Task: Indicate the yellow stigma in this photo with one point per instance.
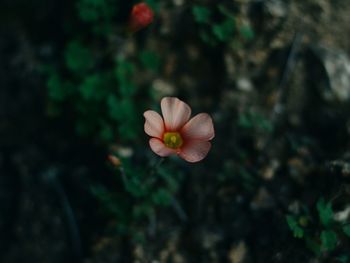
(172, 140)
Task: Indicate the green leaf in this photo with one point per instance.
(55, 88)
(92, 87)
(154, 4)
(329, 240)
(244, 121)
(161, 197)
(254, 120)
(201, 14)
(150, 60)
(298, 232)
(103, 29)
(325, 212)
(136, 187)
(125, 69)
(128, 126)
(224, 31)
(247, 32)
(114, 108)
(261, 122)
(312, 245)
(124, 74)
(225, 11)
(78, 58)
(94, 10)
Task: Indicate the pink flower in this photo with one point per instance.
(140, 17)
(177, 133)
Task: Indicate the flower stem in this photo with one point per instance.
(156, 166)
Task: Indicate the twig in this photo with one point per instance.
(156, 166)
(152, 227)
(278, 109)
(178, 209)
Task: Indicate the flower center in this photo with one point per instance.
(172, 140)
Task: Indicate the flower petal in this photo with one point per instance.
(200, 127)
(159, 148)
(195, 151)
(175, 113)
(154, 125)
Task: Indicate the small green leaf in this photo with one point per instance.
(225, 11)
(244, 121)
(329, 240)
(247, 32)
(224, 31)
(125, 69)
(55, 88)
(91, 88)
(136, 187)
(312, 245)
(154, 4)
(124, 73)
(207, 38)
(94, 10)
(78, 58)
(298, 232)
(325, 212)
(161, 197)
(113, 107)
(201, 14)
(150, 60)
(128, 122)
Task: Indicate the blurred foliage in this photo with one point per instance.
(96, 79)
(322, 234)
(146, 190)
(95, 83)
(223, 29)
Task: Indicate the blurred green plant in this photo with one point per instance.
(295, 226)
(94, 85)
(146, 190)
(96, 81)
(98, 14)
(322, 234)
(225, 28)
(254, 121)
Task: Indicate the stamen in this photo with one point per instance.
(172, 140)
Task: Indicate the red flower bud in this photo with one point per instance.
(141, 16)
